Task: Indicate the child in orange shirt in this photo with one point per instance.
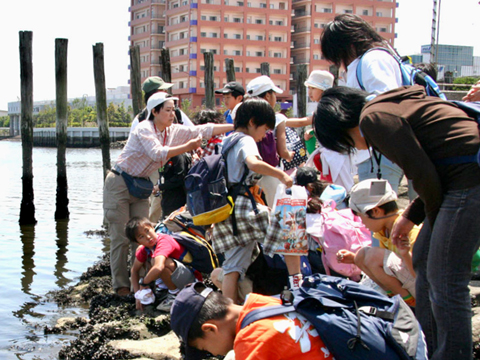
(207, 321)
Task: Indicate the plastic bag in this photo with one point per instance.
(289, 213)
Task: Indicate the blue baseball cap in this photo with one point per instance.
(185, 309)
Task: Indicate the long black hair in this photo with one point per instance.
(337, 112)
(347, 37)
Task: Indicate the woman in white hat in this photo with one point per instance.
(148, 148)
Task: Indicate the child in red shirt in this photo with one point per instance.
(160, 255)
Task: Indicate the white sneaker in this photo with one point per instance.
(166, 304)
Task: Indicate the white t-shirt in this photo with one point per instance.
(380, 72)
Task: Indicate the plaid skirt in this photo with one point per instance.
(251, 226)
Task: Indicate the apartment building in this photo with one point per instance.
(283, 33)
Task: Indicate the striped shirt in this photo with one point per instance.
(147, 148)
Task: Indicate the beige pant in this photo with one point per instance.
(118, 207)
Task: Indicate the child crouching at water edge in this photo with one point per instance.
(157, 257)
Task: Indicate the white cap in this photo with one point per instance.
(320, 79)
(369, 194)
(260, 85)
(157, 99)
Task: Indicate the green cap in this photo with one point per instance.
(155, 83)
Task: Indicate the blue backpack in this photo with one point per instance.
(472, 109)
(210, 199)
(410, 75)
(353, 321)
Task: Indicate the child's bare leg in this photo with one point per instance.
(230, 286)
(293, 264)
(370, 260)
(166, 274)
(214, 277)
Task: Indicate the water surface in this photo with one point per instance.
(49, 255)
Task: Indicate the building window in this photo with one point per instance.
(277, 71)
(203, 34)
(259, 37)
(237, 69)
(280, 23)
(316, 56)
(204, 17)
(365, 12)
(316, 41)
(263, 6)
(277, 38)
(238, 36)
(380, 14)
(258, 21)
(326, 10)
(347, 11)
(237, 20)
(316, 25)
(258, 70)
(213, 35)
(225, 52)
(225, 36)
(239, 3)
(272, 6)
(382, 30)
(277, 55)
(258, 53)
(203, 51)
(237, 52)
(181, 85)
(213, 18)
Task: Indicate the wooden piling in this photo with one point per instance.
(301, 90)
(209, 82)
(61, 46)
(101, 99)
(265, 68)
(27, 207)
(166, 67)
(229, 70)
(136, 79)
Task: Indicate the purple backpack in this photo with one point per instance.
(268, 149)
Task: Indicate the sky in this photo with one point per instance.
(87, 22)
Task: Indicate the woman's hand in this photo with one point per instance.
(345, 257)
(195, 143)
(400, 231)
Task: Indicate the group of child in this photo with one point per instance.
(158, 256)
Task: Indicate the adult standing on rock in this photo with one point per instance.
(127, 185)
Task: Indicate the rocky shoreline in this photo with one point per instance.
(115, 330)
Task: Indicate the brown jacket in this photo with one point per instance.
(412, 129)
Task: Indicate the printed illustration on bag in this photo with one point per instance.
(291, 216)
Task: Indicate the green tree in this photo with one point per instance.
(4, 121)
(46, 118)
(470, 80)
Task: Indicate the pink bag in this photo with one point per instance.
(342, 230)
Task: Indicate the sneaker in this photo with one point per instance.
(166, 304)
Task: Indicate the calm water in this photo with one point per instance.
(50, 255)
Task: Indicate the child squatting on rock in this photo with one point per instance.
(207, 321)
(389, 266)
(158, 258)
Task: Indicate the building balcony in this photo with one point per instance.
(298, 14)
(298, 30)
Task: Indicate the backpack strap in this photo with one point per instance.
(241, 186)
(405, 80)
(265, 312)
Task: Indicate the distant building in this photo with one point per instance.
(117, 96)
(283, 33)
